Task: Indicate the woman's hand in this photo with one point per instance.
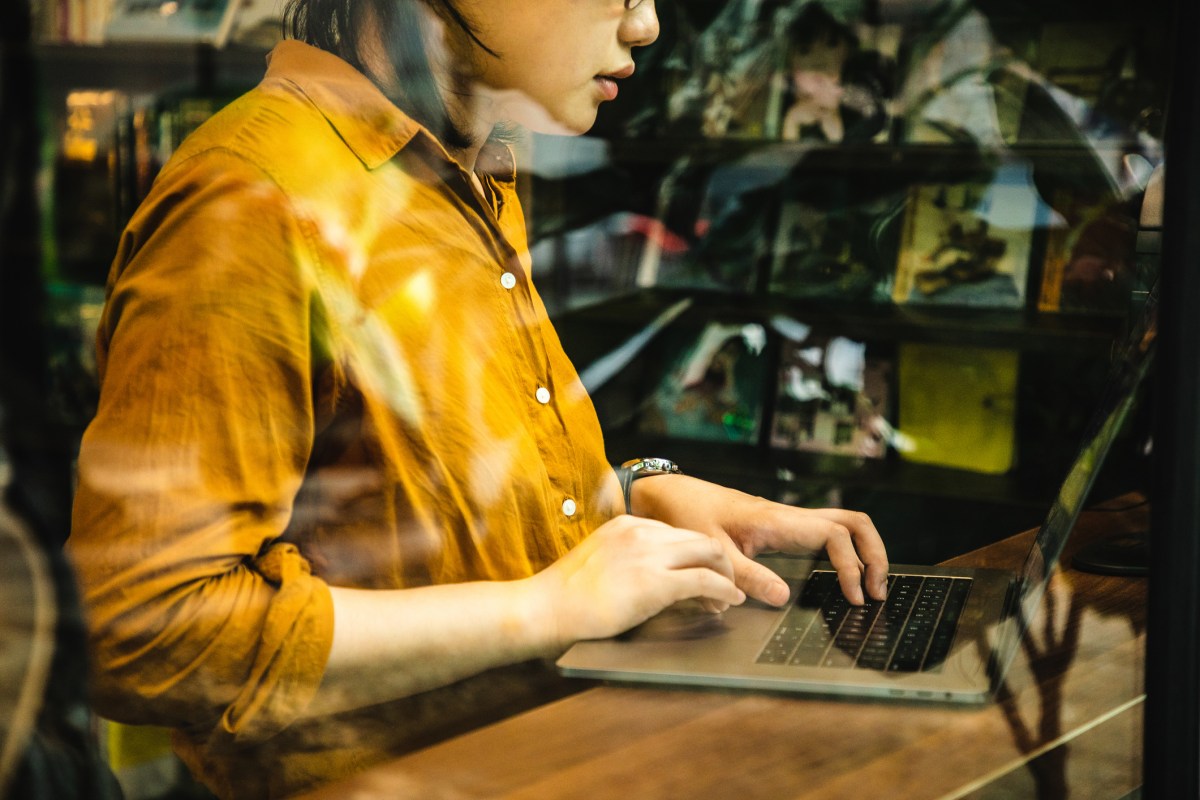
(627, 571)
(749, 525)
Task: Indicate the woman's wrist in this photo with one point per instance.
(536, 617)
(646, 496)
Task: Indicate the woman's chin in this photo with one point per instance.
(515, 107)
(561, 125)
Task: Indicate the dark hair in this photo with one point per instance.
(816, 25)
(335, 25)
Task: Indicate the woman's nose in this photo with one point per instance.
(639, 27)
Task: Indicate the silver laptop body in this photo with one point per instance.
(687, 646)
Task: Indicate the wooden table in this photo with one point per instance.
(1068, 718)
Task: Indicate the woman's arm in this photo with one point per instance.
(199, 614)
(389, 644)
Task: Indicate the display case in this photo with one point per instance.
(869, 254)
(860, 253)
(864, 254)
(909, 228)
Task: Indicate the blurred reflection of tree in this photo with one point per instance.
(1050, 647)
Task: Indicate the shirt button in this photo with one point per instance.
(569, 507)
(542, 395)
(508, 280)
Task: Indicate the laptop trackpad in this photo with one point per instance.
(683, 621)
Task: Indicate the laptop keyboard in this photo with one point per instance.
(910, 631)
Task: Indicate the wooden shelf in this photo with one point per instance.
(772, 470)
(869, 170)
(146, 67)
(595, 329)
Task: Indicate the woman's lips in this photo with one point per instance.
(608, 81)
(608, 86)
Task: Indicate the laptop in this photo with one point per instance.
(943, 634)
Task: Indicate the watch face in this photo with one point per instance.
(653, 466)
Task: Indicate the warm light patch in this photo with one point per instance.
(88, 115)
(491, 468)
(375, 355)
(421, 291)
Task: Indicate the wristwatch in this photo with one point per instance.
(636, 468)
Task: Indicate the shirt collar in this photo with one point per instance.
(370, 124)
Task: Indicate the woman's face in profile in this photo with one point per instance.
(558, 60)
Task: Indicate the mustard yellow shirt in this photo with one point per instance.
(322, 362)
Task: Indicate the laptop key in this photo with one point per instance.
(808, 655)
(943, 637)
(912, 630)
(837, 657)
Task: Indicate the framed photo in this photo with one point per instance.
(834, 397)
(969, 244)
(844, 252)
(713, 387)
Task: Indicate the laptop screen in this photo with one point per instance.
(1126, 373)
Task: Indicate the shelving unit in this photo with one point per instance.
(1062, 356)
(82, 204)
(1021, 329)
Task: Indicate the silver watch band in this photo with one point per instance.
(641, 468)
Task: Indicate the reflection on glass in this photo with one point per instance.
(909, 171)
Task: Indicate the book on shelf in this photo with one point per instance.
(1094, 95)
(724, 75)
(70, 21)
(969, 244)
(85, 199)
(1089, 264)
(711, 226)
(948, 88)
(712, 389)
(1081, 58)
(111, 147)
(957, 406)
(191, 21)
(834, 396)
(840, 251)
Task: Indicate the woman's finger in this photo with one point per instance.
(839, 548)
(698, 582)
(758, 581)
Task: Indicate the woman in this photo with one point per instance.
(340, 458)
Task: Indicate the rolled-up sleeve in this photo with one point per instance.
(202, 615)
